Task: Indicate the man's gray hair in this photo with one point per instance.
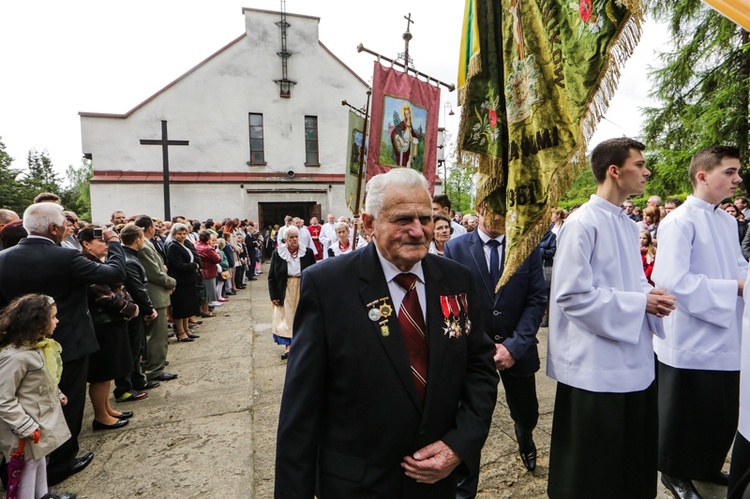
(39, 216)
(178, 227)
(291, 230)
(379, 185)
(7, 216)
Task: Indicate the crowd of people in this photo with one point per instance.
(421, 337)
(95, 306)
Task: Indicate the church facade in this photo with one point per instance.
(263, 140)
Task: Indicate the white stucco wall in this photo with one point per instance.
(202, 201)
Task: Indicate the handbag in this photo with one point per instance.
(225, 275)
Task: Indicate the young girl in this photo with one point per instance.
(648, 255)
(30, 368)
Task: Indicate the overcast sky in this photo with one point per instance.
(59, 58)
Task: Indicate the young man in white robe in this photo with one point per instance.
(603, 313)
(304, 235)
(739, 471)
(328, 233)
(699, 260)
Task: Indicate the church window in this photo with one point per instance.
(256, 139)
(311, 141)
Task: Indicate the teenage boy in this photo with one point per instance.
(698, 361)
(602, 315)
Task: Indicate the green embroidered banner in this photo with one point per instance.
(535, 92)
(355, 138)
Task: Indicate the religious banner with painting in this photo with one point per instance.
(356, 137)
(534, 94)
(403, 124)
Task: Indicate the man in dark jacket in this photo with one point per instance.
(39, 265)
(135, 283)
(511, 318)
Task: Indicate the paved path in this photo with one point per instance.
(211, 433)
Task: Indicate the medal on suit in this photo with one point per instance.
(384, 330)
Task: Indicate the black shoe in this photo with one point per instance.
(284, 355)
(166, 363)
(125, 415)
(165, 376)
(150, 384)
(170, 335)
(186, 338)
(681, 489)
(526, 448)
(101, 426)
(252, 278)
(59, 495)
(193, 336)
(78, 464)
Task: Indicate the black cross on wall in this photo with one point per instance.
(164, 142)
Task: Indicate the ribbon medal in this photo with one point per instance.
(453, 308)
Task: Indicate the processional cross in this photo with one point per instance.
(164, 142)
(407, 37)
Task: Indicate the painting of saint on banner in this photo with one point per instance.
(356, 140)
(402, 139)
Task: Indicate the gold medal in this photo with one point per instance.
(385, 310)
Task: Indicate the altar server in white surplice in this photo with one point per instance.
(699, 260)
(739, 471)
(602, 315)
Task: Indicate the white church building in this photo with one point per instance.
(266, 133)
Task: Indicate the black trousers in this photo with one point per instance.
(603, 444)
(739, 472)
(136, 380)
(520, 395)
(73, 385)
(698, 415)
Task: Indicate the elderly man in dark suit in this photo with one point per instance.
(39, 265)
(511, 317)
(390, 386)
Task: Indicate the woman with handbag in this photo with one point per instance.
(287, 263)
(111, 307)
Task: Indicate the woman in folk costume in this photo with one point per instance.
(343, 243)
(287, 263)
(30, 368)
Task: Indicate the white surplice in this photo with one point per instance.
(699, 261)
(327, 236)
(599, 331)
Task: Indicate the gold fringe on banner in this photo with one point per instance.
(620, 48)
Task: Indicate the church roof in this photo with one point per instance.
(207, 59)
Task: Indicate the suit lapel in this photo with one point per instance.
(373, 289)
(437, 339)
(477, 252)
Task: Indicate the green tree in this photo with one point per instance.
(12, 195)
(460, 187)
(76, 195)
(703, 89)
(41, 175)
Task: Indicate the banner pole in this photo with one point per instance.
(361, 165)
(450, 86)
